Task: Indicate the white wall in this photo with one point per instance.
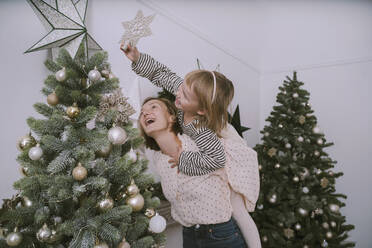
(256, 43)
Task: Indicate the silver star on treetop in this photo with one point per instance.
(137, 28)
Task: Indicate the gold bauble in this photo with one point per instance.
(136, 202)
(73, 111)
(104, 151)
(150, 212)
(25, 142)
(79, 172)
(101, 245)
(132, 189)
(105, 204)
(52, 99)
(271, 152)
(105, 73)
(24, 171)
(124, 244)
(302, 119)
(324, 182)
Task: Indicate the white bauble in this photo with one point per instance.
(300, 139)
(319, 141)
(277, 166)
(260, 206)
(132, 155)
(334, 208)
(333, 224)
(280, 125)
(117, 135)
(61, 75)
(305, 190)
(157, 224)
(288, 146)
(316, 129)
(295, 95)
(266, 134)
(35, 153)
(94, 75)
(302, 212)
(298, 227)
(316, 153)
(329, 235)
(324, 243)
(296, 179)
(325, 225)
(14, 238)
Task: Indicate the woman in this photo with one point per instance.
(203, 204)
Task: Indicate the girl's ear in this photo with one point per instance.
(200, 112)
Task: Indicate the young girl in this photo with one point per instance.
(204, 205)
(202, 99)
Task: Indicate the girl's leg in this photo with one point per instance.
(245, 221)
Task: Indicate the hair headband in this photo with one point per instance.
(214, 86)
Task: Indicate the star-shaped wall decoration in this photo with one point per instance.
(137, 28)
(65, 22)
(235, 122)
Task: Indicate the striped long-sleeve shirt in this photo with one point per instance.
(211, 155)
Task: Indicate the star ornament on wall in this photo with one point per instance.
(136, 28)
(65, 22)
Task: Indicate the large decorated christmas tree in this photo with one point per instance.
(298, 205)
(84, 182)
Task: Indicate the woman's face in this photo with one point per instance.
(154, 117)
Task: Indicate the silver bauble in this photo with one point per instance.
(300, 139)
(132, 155)
(105, 204)
(329, 235)
(325, 225)
(266, 134)
(280, 126)
(318, 171)
(136, 202)
(319, 141)
(288, 146)
(316, 153)
(101, 245)
(296, 179)
(334, 208)
(330, 173)
(44, 233)
(316, 129)
(305, 190)
(277, 166)
(157, 224)
(117, 135)
(105, 73)
(260, 206)
(304, 174)
(94, 75)
(61, 75)
(26, 202)
(57, 220)
(264, 239)
(259, 167)
(132, 189)
(295, 95)
(324, 243)
(14, 238)
(35, 153)
(333, 224)
(302, 212)
(298, 227)
(272, 198)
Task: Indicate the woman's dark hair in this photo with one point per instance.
(172, 110)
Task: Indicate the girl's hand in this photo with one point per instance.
(131, 52)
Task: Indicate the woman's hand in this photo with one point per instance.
(175, 158)
(131, 52)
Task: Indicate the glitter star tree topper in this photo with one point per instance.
(136, 29)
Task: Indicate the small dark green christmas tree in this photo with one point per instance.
(84, 183)
(298, 205)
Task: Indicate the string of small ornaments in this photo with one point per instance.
(324, 182)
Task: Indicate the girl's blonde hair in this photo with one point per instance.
(215, 109)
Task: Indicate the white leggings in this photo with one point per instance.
(244, 221)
